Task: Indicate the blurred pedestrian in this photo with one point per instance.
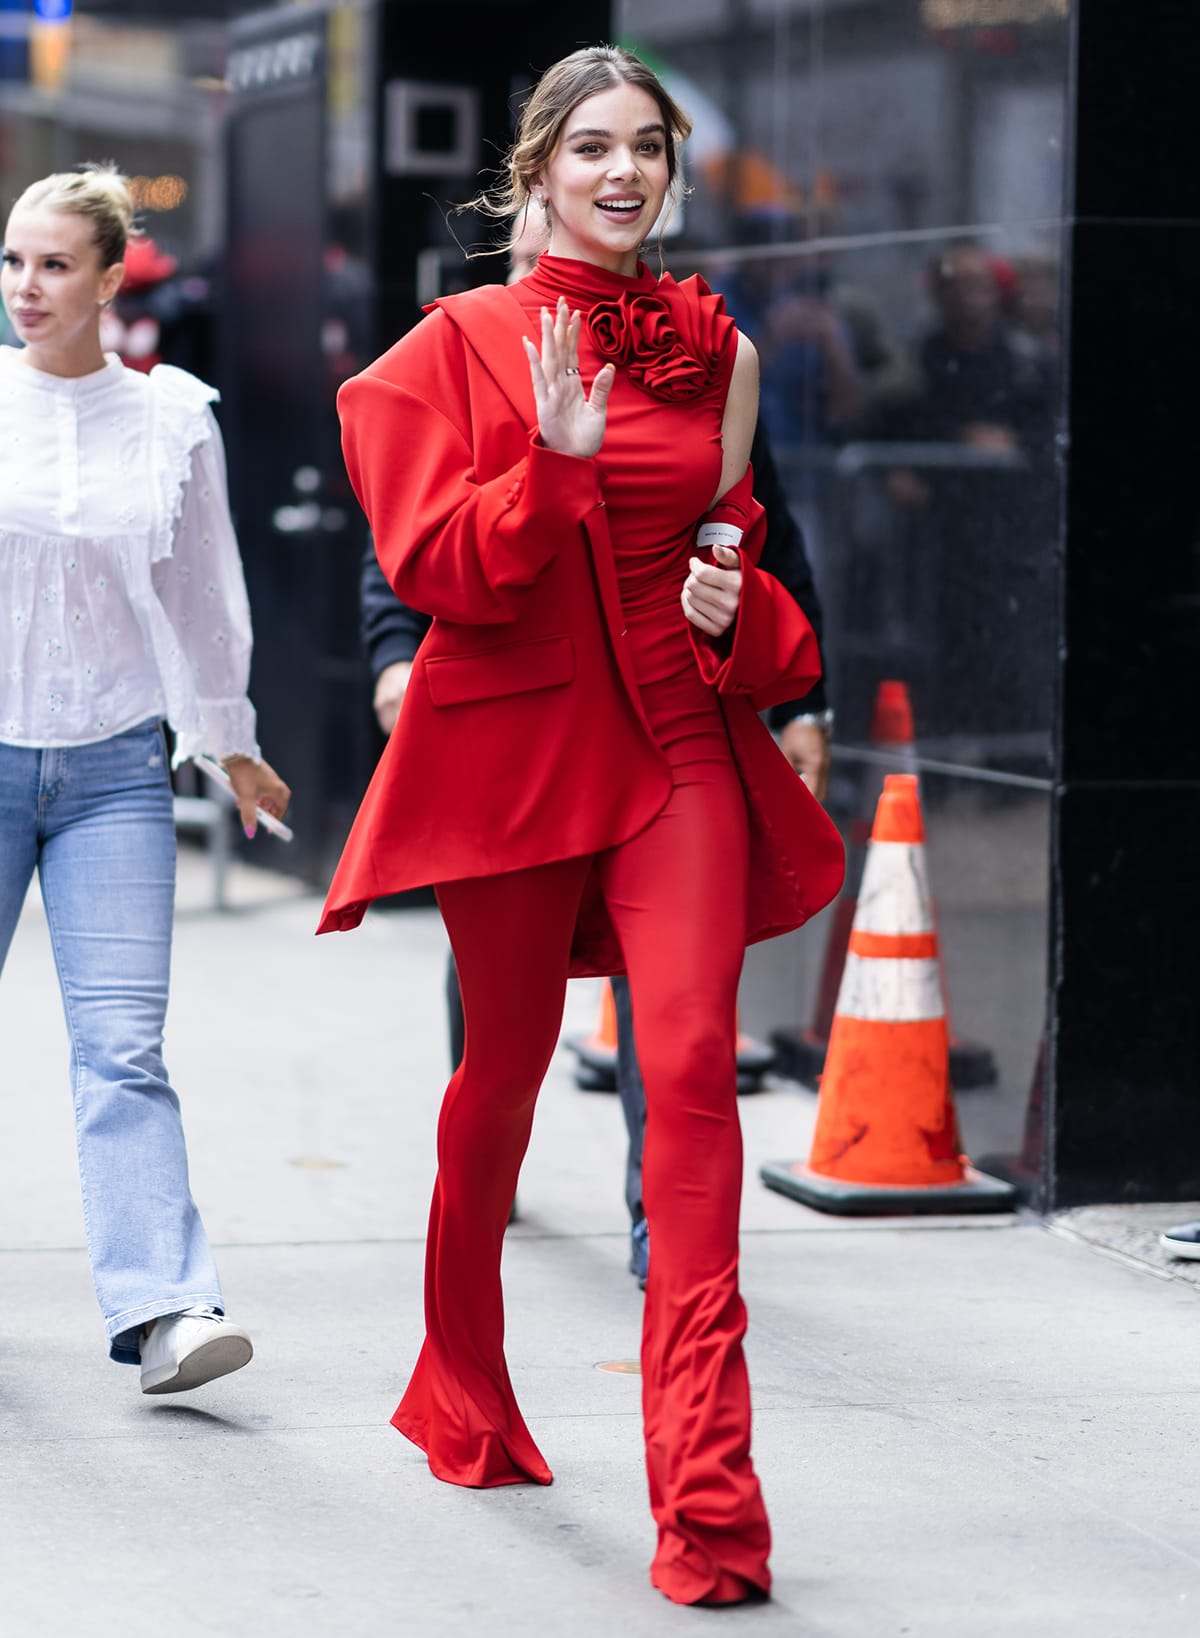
(975, 519)
(980, 382)
(580, 769)
(124, 600)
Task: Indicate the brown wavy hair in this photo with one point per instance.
(561, 89)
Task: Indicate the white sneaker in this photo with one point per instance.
(1183, 1241)
(186, 1350)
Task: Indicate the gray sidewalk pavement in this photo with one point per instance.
(964, 1430)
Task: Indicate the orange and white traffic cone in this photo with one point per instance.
(887, 1134)
(800, 1053)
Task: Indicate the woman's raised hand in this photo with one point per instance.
(567, 421)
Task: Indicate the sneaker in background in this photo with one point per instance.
(1183, 1241)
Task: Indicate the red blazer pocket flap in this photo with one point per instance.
(517, 668)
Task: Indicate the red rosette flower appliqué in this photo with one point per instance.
(670, 349)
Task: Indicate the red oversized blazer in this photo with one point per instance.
(521, 739)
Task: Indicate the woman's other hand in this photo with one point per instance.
(568, 422)
(390, 688)
(256, 784)
(712, 592)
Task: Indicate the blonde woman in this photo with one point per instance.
(121, 603)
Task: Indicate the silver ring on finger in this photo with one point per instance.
(571, 369)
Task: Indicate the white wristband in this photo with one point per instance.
(719, 534)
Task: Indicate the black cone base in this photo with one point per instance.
(977, 1193)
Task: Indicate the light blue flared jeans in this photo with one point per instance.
(96, 822)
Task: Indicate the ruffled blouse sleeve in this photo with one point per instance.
(197, 578)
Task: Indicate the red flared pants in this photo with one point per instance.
(676, 893)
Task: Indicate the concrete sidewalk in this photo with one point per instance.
(963, 1431)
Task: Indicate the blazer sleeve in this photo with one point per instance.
(452, 545)
(771, 652)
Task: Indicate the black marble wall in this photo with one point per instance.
(1125, 1054)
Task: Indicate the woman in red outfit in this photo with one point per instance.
(580, 770)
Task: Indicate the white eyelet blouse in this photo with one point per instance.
(121, 589)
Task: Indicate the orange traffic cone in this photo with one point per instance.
(801, 1053)
(596, 1070)
(892, 717)
(887, 1134)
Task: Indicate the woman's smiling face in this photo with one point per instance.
(607, 179)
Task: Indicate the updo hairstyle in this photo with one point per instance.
(99, 192)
